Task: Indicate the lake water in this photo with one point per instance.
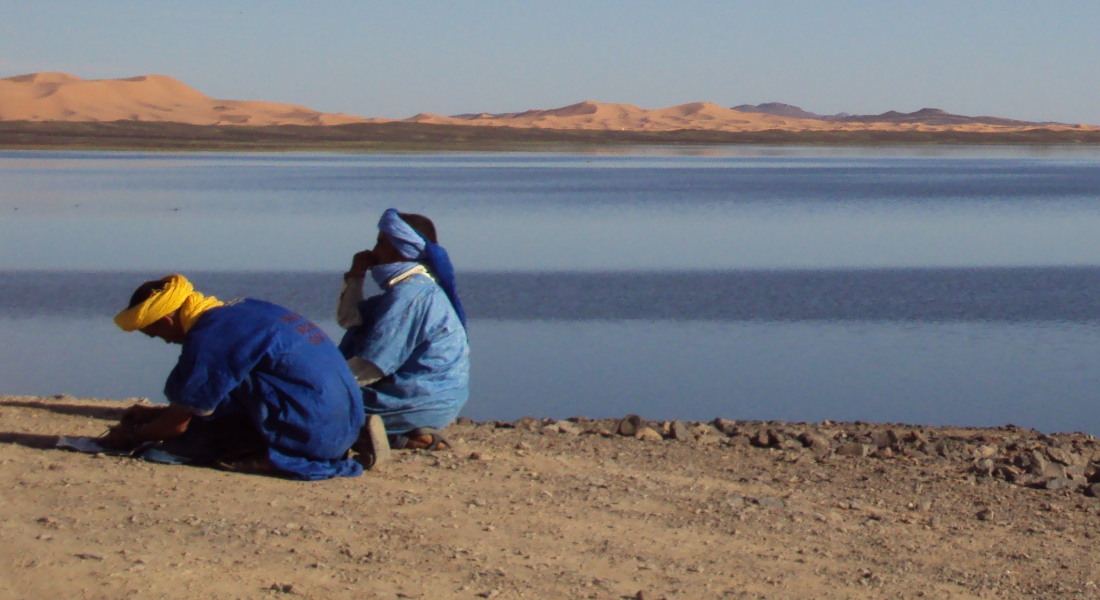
(927, 286)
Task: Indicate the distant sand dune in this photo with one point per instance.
(707, 116)
(63, 97)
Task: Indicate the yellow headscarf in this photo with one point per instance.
(177, 293)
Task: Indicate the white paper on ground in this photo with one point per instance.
(81, 444)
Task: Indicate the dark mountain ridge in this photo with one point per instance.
(926, 116)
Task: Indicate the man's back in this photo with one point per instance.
(413, 333)
(279, 368)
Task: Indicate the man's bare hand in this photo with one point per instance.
(361, 263)
(140, 414)
(119, 437)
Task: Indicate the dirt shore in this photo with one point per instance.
(541, 509)
(426, 137)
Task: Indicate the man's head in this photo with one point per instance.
(387, 253)
(169, 327)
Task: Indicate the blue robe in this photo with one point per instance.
(413, 334)
(259, 359)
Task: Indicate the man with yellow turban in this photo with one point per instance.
(257, 388)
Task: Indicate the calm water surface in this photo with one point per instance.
(891, 285)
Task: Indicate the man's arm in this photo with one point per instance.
(347, 309)
(365, 371)
(169, 423)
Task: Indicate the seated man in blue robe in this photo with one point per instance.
(407, 346)
(258, 388)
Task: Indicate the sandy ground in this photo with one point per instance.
(536, 509)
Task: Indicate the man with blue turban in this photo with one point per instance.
(257, 388)
(407, 346)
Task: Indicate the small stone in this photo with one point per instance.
(630, 425)
(768, 502)
(523, 446)
(916, 438)
(1093, 490)
(703, 429)
(851, 449)
(678, 431)
(881, 439)
(527, 423)
(1058, 483)
(1026, 479)
(89, 556)
(737, 502)
(464, 421)
(760, 439)
(1053, 470)
(550, 430)
(986, 514)
(883, 452)
(648, 434)
(1038, 462)
(568, 428)
(983, 467)
(1006, 472)
(726, 426)
(1059, 455)
(475, 455)
(985, 451)
(813, 441)
(737, 440)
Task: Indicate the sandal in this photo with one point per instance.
(372, 447)
(439, 442)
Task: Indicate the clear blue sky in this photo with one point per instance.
(1012, 58)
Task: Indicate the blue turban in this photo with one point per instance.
(413, 246)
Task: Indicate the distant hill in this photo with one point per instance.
(783, 110)
(924, 116)
(59, 97)
(64, 97)
(933, 116)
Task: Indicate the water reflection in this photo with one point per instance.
(1032, 375)
(552, 212)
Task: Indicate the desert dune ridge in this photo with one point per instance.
(64, 97)
(60, 97)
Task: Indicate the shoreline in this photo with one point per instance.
(538, 508)
(418, 137)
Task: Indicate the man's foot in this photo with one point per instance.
(373, 447)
